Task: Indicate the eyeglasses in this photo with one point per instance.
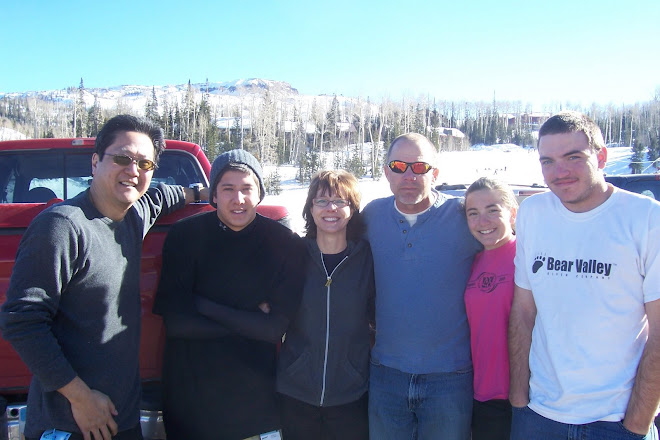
(400, 167)
(124, 161)
(322, 203)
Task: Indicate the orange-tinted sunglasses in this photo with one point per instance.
(400, 167)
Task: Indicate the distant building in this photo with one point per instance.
(444, 131)
(532, 121)
(449, 139)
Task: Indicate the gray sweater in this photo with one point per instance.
(73, 305)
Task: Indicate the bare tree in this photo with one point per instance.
(265, 129)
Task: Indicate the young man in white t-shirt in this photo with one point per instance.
(584, 332)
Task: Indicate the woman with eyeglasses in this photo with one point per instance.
(323, 368)
(490, 207)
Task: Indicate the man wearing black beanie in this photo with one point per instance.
(227, 293)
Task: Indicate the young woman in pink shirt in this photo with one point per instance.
(490, 207)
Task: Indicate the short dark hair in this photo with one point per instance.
(343, 184)
(572, 122)
(123, 123)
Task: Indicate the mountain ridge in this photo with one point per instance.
(136, 96)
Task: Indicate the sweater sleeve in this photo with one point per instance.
(187, 326)
(283, 296)
(160, 200)
(258, 325)
(371, 298)
(174, 298)
(46, 261)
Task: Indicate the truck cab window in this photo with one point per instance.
(38, 176)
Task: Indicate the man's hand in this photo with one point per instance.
(265, 307)
(645, 396)
(92, 410)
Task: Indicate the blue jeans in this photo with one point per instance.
(527, 424)
(405, 406)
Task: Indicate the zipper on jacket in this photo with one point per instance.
(328, 282)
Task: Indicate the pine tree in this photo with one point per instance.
(355, 164)
(636, 164)
(94, 118)
(265, 130)
(653, 153)
(212, 142)
(167, 120)
(320, 122)
(237, 129)
(151, 107)
(309, 164)
(419, 119)
(300, 139)
(273, 183)
(178, 122)
(332, 123)
(188, 119)
(204, 120)
(79, 112)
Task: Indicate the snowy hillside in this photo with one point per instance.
(135, 96)
(510, 163)
(8, 134)
(225, 96)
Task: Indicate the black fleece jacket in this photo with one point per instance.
(324, 360)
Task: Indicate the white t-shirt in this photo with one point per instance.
(590, 274)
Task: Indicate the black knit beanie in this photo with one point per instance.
(235, 157)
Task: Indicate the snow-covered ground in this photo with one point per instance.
(9, 134)
(510, 163)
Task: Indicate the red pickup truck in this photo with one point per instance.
(35, 174)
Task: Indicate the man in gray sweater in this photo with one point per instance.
(73, 304)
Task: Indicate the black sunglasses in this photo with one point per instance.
(400, 167)
(124, 161)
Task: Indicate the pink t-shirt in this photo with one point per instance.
(488, 298)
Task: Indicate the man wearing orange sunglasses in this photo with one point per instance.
(421, 372)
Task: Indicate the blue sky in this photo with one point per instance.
(536, 51)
